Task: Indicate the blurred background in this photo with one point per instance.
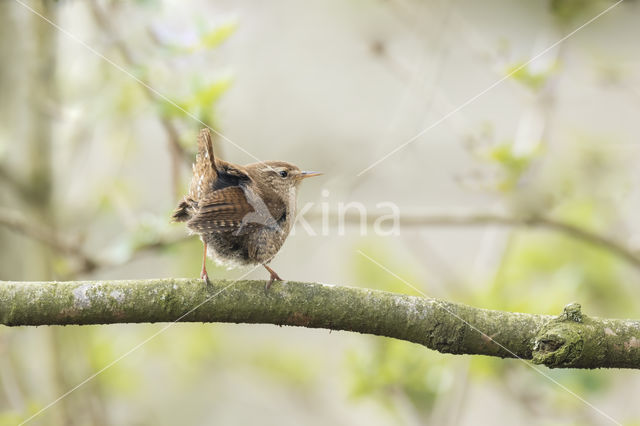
(98, 125)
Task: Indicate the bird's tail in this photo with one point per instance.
(204, 169)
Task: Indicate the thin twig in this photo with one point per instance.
(138, 251)
(17, 222)
(8, 177)
(421, 219)
(176, 151)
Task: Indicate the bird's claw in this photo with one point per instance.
(274, 277)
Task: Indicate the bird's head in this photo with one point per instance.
(279, 176)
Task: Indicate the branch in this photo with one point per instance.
(175, 149)
(571, 340)
(491, 218)
(87, 263)
(14, 221)
(9, 178)
(18, 223)
(137, 251)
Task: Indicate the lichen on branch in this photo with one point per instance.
(571, 340)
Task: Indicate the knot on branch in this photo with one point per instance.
(572, 312)
(560, 342)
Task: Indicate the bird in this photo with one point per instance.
(243, 214)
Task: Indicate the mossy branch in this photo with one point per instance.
(570, 340)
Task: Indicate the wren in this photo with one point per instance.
(243, 214)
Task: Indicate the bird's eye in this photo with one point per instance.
(283, 173)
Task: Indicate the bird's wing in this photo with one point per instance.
(221, 211)
(236, 209)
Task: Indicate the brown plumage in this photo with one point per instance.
(243, 214)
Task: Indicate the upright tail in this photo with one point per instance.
(205, 147)
(205, 171)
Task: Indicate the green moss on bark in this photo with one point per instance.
(570, 340)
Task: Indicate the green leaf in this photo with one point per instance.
(173, 108)
(533, 80)
(511, 165)
(207, 95)
(217, 36)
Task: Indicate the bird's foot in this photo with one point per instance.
(203, 272)
(205, 276)
(274, 277)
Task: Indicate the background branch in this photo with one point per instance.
(87, 263)
(570, 340)
(14, 220)
(17, 222)
(10, 179)
(176, 151)
(491, 218)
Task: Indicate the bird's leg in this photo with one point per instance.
(203, 273)
(274, 276)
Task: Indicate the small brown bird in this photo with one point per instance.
(243, 214)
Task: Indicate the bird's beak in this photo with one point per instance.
(304, 175)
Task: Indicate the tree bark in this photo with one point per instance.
(571, 340)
